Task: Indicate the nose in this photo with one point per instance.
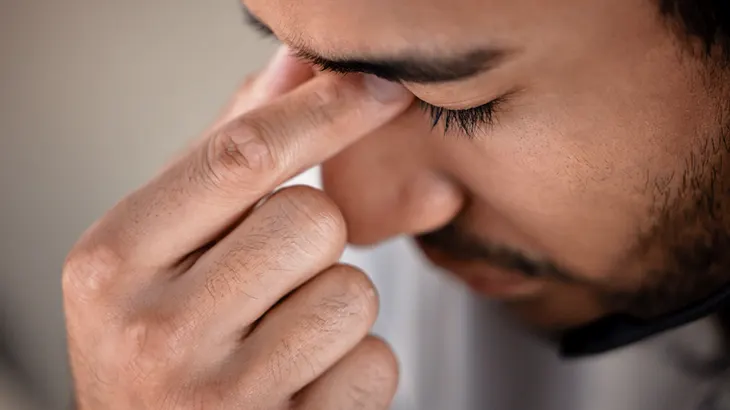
(386, 186)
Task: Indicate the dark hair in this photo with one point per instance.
(704, 25)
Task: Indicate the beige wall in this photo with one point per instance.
(94, 95)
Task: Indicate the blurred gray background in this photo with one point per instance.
(94, 96)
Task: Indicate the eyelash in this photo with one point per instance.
(466, 122)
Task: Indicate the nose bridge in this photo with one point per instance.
(387, 185)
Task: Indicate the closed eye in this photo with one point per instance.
(465, 122)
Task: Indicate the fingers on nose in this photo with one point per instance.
(415, 205)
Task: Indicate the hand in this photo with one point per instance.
(192, 293)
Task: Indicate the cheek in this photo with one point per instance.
(552, 186)
(560, 306)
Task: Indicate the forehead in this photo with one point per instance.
(547, 33)
(373, 26)
(552, 43)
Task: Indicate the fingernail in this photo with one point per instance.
(385, 91)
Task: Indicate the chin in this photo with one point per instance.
(558, 307)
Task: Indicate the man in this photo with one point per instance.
(566, 158)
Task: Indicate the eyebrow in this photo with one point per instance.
(415, 69)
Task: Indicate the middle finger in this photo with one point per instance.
(294, 235)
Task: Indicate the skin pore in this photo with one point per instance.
(585, 171)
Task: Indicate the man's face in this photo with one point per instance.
(584, 173)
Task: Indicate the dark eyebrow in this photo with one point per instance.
(256, 23)
(411, 69)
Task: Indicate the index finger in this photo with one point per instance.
(200, 196)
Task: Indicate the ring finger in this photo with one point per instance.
(365, 379)
(298, 340)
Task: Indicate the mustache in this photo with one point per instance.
(461, 245)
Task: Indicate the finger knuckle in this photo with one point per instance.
(242, 155)
(153, 343)
(329, 93)
(377, 378)
(351, 299)
(177, 393)
(89, 268)
(221, 282)
(227, 278)
(315, 214)
(325, 104)
(281, 362)
(382, 364)
(183, 397)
